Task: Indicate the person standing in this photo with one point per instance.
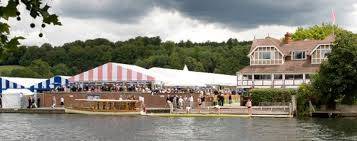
(190, 100)
(170, 106)
(203, 99)
(53, 102)
(249, 106)
(180, 102)
(33, 102)
(142, 105)
(199, 104)
(29, 102)
(174, 101)
(62, 101)
(0, 101)
(38, 102)
(177, 102)
(230, 99)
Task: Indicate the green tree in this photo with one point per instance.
(34, 8)
(60, 69)
(317, 32)
(41, 67)
(193, 64)
(337, 77)
(24, 72)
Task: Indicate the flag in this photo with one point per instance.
(333, 16)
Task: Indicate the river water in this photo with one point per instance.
(66, 127)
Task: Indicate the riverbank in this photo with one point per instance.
(35, 111)
(163, 112)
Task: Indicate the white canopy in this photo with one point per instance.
(26, 82)
(18, 91)
(173, 77)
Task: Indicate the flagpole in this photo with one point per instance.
(333, 21)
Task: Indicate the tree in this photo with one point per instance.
(337, 77)
(24, 72)
(317, 32)
(41, 67)
(60, 69)
(35, 8)
(193, 64)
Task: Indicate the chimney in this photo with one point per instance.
(287, 38)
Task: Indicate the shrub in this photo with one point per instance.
(306, 93)
(271, 95)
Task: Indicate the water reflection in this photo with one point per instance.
(82, 127)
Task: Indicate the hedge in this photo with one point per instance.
(271, 95)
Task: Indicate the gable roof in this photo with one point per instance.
(113, 72)
(286, 49)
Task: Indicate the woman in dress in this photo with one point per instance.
(249, 106)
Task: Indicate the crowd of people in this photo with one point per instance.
(33, 102)
(144, 88)
(181, 102)
(111, 87)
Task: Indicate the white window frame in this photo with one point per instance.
(320, 58)
(262, 55)
(272, 55)
(293, 55)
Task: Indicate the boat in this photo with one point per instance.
(104, 107)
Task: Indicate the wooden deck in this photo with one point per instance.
(218, 115)
(241, 110)
(333, 114)
(35, 111)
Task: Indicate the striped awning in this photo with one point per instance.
(6, 84)
(113, 72)
(50, 83)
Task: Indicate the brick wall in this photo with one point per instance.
(151, 101)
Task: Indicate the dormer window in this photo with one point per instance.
(298, 55)
(265, 55)
(320, 53)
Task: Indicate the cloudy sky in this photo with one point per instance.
(195, 20)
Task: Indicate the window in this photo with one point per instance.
(247, 77)
(298, 76)
(262, 77)
(289, 77)
(308, 76)
(320, 54)
(278, 76)
(293, 76)
(324, 53)
(265, 55)
(299, 55)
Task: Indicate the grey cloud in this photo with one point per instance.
(237, 14)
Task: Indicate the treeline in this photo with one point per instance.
(78, 56)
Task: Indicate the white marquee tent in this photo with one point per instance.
(11, 98)
(174, 77)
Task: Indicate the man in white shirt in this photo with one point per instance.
(62, 101)
(191, 101)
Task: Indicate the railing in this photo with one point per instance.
(274, 103)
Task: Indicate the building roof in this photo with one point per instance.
(18, 91)
(26, 82)
(286, 49)
(287, 67)
(174, 77)
(113, 72)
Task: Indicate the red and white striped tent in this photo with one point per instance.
(114, 72)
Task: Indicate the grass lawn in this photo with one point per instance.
(8, 68)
